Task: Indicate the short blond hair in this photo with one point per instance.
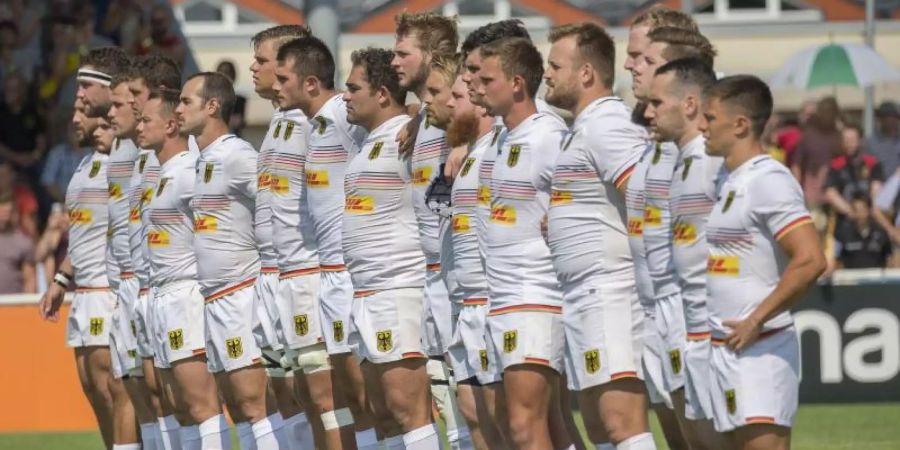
(660, 16)
(436, 33)
(682, 43)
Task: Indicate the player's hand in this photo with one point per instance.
(455, 161)
(744, 333)
(407, 136)
(51, 302)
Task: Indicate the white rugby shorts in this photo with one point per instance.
(671, 328)
(266, 325)
(437, 323)
(230, 344)
(142, 323)
(177, 317)
(90, 317)
(528, 334)
(298, 308)
(387, 325)
(335, 303)
(123, 331)
(697, 404)
(653, 356)
(469, 354)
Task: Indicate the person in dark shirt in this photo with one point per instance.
(854, 174)
(22, 140)
(860, 243)
(237, 120)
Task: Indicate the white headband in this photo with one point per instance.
(94, 76)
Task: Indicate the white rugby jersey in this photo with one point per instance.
(292, 230)
(485, 171)
(519, 266)
(120, 172)
(467, 271)
(758, 203)
(86, 201)
(170, 236)
(380, 232)
(429, 153)
(143, 182)
(635, 206)
(694, 189)
(658, 219)
(587, 219)
(332, 142)
(262, 225)
(223, 204)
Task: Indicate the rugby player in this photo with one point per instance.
(268, 326)
(87, 327)
(385, 258)
(764, 253)
(448, 108)
(176, 313)
(305, 76)
(524, 322)
(228, 264)
(602, 316)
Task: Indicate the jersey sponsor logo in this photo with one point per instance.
(279, 184)
(723, 265)
(80, 216)
(467, 166)
(461, 224)
(158, 238)
(205, 224)
(146, 196)
(684, 233)
(384, 340)
(483, 357)
(675, 360)
(376, 150)
(321, 124)
(277, 129)
(652, 216)
(510, 341)
(337, 328)
(162, 185)
(208, 172)
(176, 339)
(289, 130)
(134, 215)
(317, 178)
(359, 204)
(115, 190)
(728, 201)
(484, 195)
(687, 168)
(234, 347)
(636, 226)
(96, 326)
(558, 198)
(301, 323)
(513, 157)
(592, 361)
(731, 401)
(505, 215)
(142, 163)
(95, 169)
(422, 175)
(263, 181)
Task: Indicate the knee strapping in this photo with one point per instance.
(333, 420)
(313, 359)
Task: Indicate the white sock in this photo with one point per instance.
(269, 433)
(394, 443)
(134, 446)
(460, 439)
(299, 432)
(150, 436)
(423, 438)
(605, 446)
(169, 433)
(367, 439)
(190, 437)
(214, 433)
(245, 436)
(643, 441)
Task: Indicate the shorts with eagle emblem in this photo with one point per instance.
(90, 318)
(177, 322)
(387, 325)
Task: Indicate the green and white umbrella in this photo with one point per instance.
(835, 65)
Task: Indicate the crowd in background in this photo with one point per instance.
(851, 181)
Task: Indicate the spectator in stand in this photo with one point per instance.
(12, 58)
(770, 139)
(61, 163)
(22, 140)
(23, 198)
(792, 130)
(853, 175)
(859, 243)
(122, 23)
(17, 270)
(236, 123)
(887, 205)
(884, 144)
(161, 37)
(821, 141)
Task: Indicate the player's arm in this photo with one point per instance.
(53, 298)
(455, 161)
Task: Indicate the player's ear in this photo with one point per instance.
(691, 105)
(743, 126)
(212, 107)
(310, 84)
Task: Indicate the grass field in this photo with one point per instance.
(818, 427)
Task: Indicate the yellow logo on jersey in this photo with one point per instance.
(731, 401)
(96, 326)
(95, 169)
(675, 360)
(510, 341)
(143, 162)
(592, 361)
(359, 204)
(338, 328)
(513, 157)
(652, 216)
(384, 341)
(263, 181)
(208, 172)
(289, 131)
(483, 356)
(317, 178)
(301, 323)
(636, 226)
(162, 185)
(321, 121)
(558, 198)
(146, 196)
(176, 339)
(277, 129)
(80, 216)
(504, 215)
(115, 190)
(279, 184)
(723, 265)
(376, 150)
(205, 224)
(728, 201)
(687, 168)
(234, 347)
(134, 215)
(484, 195)
(467, 166)
(461, 223)
(422, 175)
(684, 233)
(158, 238)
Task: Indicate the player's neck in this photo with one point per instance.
(589, 97)
(690, 133)
(213, 130)
(317, 102)
(485, 126)
(742, 152)
(384, 115)
(171, 148)
(519, 112)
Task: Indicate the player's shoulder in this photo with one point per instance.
(294, 115)
(766, 175)
(543, 122)
(607, 117)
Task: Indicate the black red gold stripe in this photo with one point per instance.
(298, 272)
(230, 290)
(475, 301)
(333, 267)
(526, 308)
(792, 226)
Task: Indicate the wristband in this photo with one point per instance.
(62, 280)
